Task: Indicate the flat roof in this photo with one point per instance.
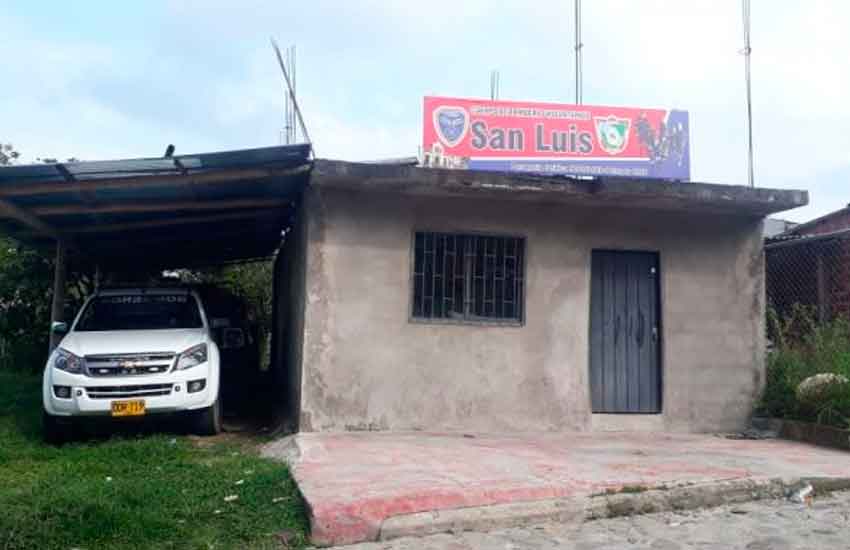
(175, 211)
(610, 191)
(211, 208)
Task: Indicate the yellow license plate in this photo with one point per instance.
(128, 408)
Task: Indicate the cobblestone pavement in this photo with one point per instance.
(766, 525)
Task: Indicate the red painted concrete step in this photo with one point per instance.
(352, 482)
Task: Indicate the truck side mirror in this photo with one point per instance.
(233, 338)
(59, 327)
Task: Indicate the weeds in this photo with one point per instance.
(802, 347)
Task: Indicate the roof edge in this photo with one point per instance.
(628, 192)
(815, 221)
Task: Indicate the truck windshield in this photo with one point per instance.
(140, 312)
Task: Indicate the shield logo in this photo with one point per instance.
(451, 124)
(613, 133)
(128, 367)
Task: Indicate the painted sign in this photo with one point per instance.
(551, 138)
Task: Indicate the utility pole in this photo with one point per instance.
(578, 47)
(746, 52)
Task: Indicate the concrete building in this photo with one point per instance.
(454, 300)
(433, 299)
(777, 226)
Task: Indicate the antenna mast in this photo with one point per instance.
(289, 128)
(494, 85)
(747, 51)
(578, 47)
(292, 112)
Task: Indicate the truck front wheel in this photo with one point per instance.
(56, 431)
(208, 421)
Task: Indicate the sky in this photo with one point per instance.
(97, 80)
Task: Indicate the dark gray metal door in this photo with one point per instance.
(625, 370)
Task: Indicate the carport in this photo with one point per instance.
(160, 213)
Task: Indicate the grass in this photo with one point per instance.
(151, 492)
(803, 348)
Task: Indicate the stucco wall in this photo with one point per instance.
(366, 366)
(290, 301)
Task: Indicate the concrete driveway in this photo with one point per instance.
(366, 486)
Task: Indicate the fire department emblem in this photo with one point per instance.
(613, 133)
(451, 124)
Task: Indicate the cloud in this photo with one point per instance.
(201, 74)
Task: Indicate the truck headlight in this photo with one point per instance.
(192, 357)
(67, 361)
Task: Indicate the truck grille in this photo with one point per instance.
(130, 364)
(117, 392)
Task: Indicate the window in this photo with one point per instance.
(140, 312)
(469, 278)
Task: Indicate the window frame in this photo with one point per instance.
(411, 288)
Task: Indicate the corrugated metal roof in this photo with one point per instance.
(242, 158)
(793, 239)
(800, 228)
(203, 207)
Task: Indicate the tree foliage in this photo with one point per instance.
(26, 293)
(25, 297)
(8, 154)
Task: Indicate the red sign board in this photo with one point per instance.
(552, 138)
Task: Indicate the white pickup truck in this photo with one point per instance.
(134, 352)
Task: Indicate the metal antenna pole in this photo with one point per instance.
(492, 85)
(292, 94)
(287, 113)
(294, 90)
(747, 51)
(578, 46)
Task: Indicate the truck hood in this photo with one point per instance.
(132, 341)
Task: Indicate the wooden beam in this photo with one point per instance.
(128, 208)
(118, 242)
(180, 166)
(57, 309)
(9, 210)
(65, 173)
(166, 223)
(222, 176)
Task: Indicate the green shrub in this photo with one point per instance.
(802, 348)
(25, 294)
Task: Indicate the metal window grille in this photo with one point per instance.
(468, 278)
